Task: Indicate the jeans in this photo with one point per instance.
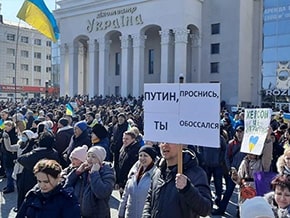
(10, 180)
(230, 187)
(217, 173)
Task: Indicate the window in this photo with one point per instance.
(10, 66)
(13, 80)
(117, 63)
(11, 37)
(10, 51)
(117, 90)
(215, 28)
(48, 57)
(24, 39)
(48, 43)
(24, 53)
(37, 68)
(48, 69)
(37, 41)
(214, 67)
(215, 48)
(151, 61)
(24, 67)
(37, 55)
(25, 81)
(37, 82)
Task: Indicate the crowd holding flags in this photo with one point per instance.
(36, 13)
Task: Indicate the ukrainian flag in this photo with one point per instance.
(69, 109)
(35, 13)
(2, 126)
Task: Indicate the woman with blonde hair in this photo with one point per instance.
(283, 163)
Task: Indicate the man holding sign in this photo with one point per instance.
(178, 195)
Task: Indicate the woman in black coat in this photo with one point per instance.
(48, 198)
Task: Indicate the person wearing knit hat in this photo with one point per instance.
(78, 155)
(137, 186)
(82, 125)
(98, 152)
(63, 122)
(96, 179)
(149, 150)
(100, 137)
(256, 207)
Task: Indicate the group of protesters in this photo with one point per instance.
(67, 163)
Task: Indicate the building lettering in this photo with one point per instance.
(125, 17)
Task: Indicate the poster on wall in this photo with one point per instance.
(182, 113)
(257, 122)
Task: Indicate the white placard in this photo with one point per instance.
(187, 113)
(257, 122)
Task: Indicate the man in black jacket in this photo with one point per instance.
(174, 195)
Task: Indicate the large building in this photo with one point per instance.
(25, 62)
(114, 47)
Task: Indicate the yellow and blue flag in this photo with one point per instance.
(2, 126)
(69, 110)
(36, 14)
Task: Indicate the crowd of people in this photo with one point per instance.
(68, 164)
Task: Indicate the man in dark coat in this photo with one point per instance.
(62, 139)
(173, 194)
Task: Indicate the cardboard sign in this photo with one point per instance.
(182, 113)
(257, 122)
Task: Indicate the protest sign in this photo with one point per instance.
(257, 122)
(182, 113)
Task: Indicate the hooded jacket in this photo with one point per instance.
(164, 200)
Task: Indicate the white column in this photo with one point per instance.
(196, 49)
(63, 75)
(92, 68)
(138, 63)
(104, 47)
(165, 39)
(124, 64)
(73, 69)
(180, 52)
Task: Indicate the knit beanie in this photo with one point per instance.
(256, 207)
(50, 115)
(99, 151)
(100, 131)
(63, 121)
(79, 153)
(82, 125)
(149, 150)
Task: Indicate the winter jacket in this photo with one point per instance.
(60, 203)
(93, 190)
(62, 138)
(233, 156)
(128, 157)
(164, 200)
(135, 193)
(83, 139)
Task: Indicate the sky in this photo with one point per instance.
(10, 8)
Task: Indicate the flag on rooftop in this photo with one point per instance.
(36, 14)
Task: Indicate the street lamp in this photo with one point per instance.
(46, 88)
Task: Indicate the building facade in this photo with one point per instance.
(113, 47)
(25, 66)
(276, 56)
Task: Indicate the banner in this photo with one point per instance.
(182, 113)
(257, 122)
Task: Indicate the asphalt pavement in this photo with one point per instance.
(8, 202)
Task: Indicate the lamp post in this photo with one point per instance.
(46, 89)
